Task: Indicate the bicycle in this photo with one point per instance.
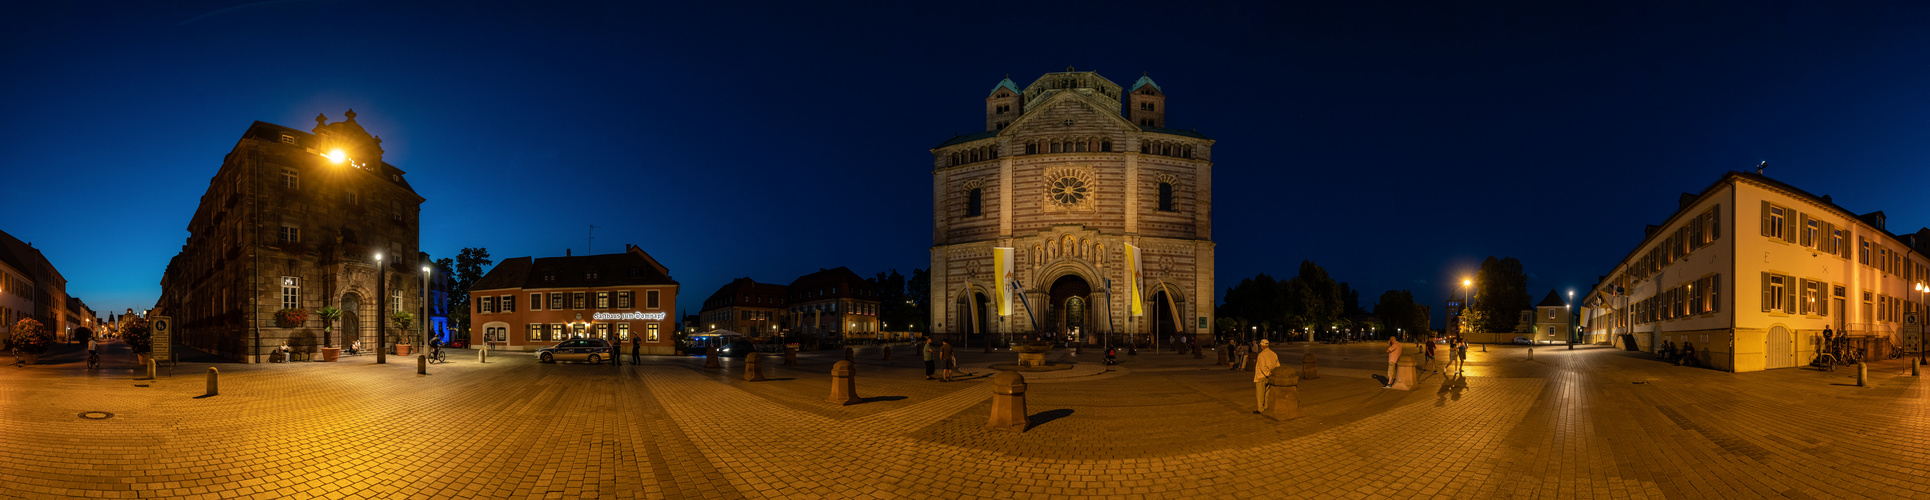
(436, 356)
(93, 361)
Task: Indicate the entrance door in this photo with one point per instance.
(1780, 349)
(351, 324)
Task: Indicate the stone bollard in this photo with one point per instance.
(754, 367)
(421, 364)
(1531, 354)
(710, 358)
(151, 368)
(482, 356)
(887, 354)
(1307, 368)
(1862, 374)
(790, 356)
(844, 384)
(214, 382)
(851, 354)
(1222, 356)
(1197, 353)
(1914, 362)
(1008, 402)
(1286, 395)
(1404, 375)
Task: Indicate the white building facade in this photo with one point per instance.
(1752, 270)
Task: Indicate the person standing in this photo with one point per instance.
(1262, 373)
(636, 350)
(93, 356)
(945, 357)
(1460, 354)
(1428, 355)
(931, 358)
(1393, 358)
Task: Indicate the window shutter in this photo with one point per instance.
(1715, 222)
(1766, 298)
(1828, 243)
(1715, 293)
(1789, 225)
(1767, 229)
(1822, 306)
(1789, 295)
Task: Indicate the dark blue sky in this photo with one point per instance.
(1394, 143)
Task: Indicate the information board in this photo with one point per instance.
(163, 338)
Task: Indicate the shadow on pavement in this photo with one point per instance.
(875, 399)
(1037, 419)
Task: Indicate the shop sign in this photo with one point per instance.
(655, 316)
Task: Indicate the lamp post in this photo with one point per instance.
(1921, 288)
(1570, 317)
(381, 310)
(422, 323)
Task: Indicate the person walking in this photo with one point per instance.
(93, 354)
(931, 358)
(1428, 355)
(945, 358)
(1262, 373)
(1393, 358)
(1460, 353)
(636, 350)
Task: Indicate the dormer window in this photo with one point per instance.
(549, 276)
(589, 275)
(287, 139)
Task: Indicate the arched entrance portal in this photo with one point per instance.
(1069, 306)
(1165, 319)
(974, 327)
(351, 323)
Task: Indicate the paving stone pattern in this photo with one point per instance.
(1588, 423)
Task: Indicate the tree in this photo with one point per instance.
(468, 267)
(895, 306)
(1501, 293)
(918, 291)
(29, 336)
(1397, 309)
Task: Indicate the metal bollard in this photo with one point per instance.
(1862, 374)
(421, 364)
(214, 382)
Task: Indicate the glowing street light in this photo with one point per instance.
(336, 156)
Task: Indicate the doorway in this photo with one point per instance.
(1068, 307)
(351, 323)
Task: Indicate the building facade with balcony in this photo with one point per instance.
(748, 307)
(1103, 217)
(294, 221)
(527, 303)
(1751, 270)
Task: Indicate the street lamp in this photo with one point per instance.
(1921, 288)
(381, 308)
(1569, 309)
(422, 323)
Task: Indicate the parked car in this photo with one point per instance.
(1524, 340)
(588, 350)
(736, 349)
(458, 343)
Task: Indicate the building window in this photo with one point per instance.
(1166, 197)
(290, 179)
(535, 302)
(603, 330)
(488, 305)
(556, 300)
(1772, 297)
(650, 299)
(509, 303)
(602, 300)
(1863, 251)
(576, 301)
(1836, 235)
(650, 332)
(533, 333)
(624, 300)
(623, 331)
(556, 332)
(974, 201)
(1812, 293)
(395, 298)
(354, 198)
(291, 292)
(287, 139)
(395, 210)
(290, 235)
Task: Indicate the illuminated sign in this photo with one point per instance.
(628, 315)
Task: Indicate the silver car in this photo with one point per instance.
(590, 350)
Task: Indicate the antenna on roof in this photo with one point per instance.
(592, 241)
(1760, 166)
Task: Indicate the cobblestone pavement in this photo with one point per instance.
(1587, 423)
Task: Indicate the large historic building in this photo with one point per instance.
(832, 304)
(1102, 220)
(296, 221)
(748, 307)
(1751, 270)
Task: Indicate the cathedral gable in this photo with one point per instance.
(1067, 113)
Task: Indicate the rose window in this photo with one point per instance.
(1068, 190)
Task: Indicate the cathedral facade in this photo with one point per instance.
(1067, 215)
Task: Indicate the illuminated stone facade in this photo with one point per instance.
(1067, 181)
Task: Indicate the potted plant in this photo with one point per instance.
(291, 318)
(329, 316)
(139, 337)
(30, 338)
(402, 321)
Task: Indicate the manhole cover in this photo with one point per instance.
(140, 385)
(1639, 383)
(96, 415)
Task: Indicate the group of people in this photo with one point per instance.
(939, 353)
(1684, 356)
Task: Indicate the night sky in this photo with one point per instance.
(1395, 144)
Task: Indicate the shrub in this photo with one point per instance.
(138, 335)
(29, 336)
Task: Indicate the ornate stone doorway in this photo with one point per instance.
(1069, 306)
(350, 325)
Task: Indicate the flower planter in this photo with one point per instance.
(331, 353)
(402, 349)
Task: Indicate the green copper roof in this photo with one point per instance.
(1143, 81)
(1007, 84)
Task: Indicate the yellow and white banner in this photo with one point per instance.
(1002, 266)
(1133, 272)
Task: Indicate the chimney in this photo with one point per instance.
(566, 252)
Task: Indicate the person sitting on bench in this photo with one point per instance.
(1688, 355)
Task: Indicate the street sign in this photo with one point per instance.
(163, 333)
